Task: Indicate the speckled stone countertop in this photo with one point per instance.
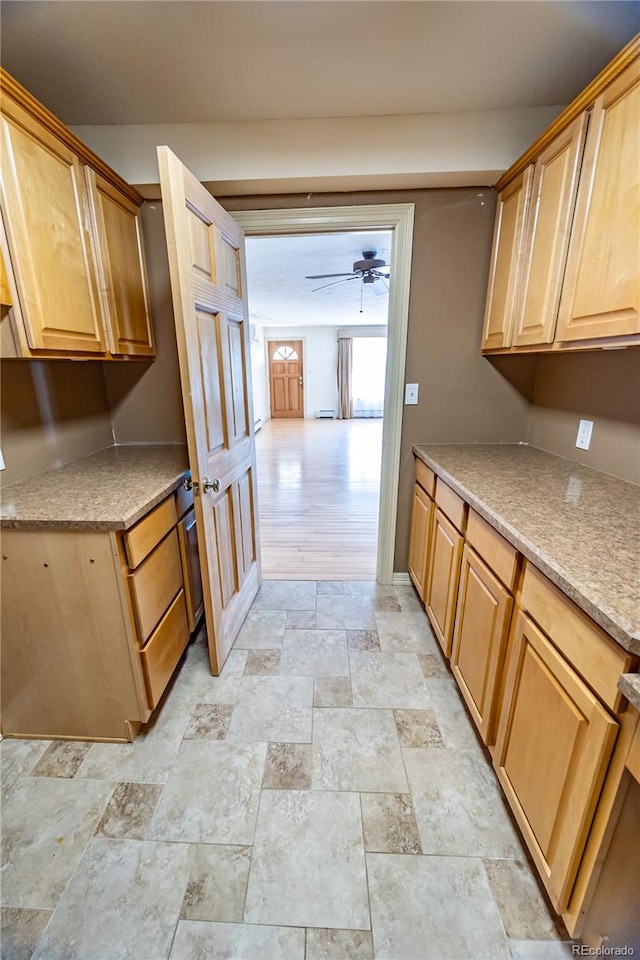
(109, 490)
(629, 685)
(581, 528)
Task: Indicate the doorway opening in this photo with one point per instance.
(398, 221)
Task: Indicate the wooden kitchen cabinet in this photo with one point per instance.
(121, 266)
(553, 747)
(480, 638)
(601, 295)
(421, 518)
(565, 270)
(443, 575)
(553, 197)
(506, 261)
(45, 208)
(94, 623)
(71, 239)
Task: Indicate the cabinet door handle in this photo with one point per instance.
(210, 485)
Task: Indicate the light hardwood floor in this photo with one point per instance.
(318, 495)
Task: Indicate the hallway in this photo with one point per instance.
(318, 498)
(325, 798)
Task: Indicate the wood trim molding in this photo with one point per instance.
(10, 88)
(582, 102)
(399, 218)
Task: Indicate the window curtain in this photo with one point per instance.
(345, 362)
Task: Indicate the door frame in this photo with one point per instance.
(304, 379)
(399, 219)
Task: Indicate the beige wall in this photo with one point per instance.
(53, 411)
(603, 386)
(144, 397)
(463, 397)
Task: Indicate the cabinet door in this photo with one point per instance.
(601, 293)
(553, 197)
(442, 578)
(121, 265)
(553, 747)
(479, 642)
(48, 225)
(419, 541)
(506, 262)
(191, 568)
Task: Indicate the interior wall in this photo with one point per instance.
(463, 397)
(53, 411)
(145, 397)
(603, 386)
(319, 361)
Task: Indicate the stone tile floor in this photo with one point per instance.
(326, 797)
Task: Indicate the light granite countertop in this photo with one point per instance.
(629, 685)
(109, 490)
(581, 528)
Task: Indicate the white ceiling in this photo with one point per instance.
(279, 294)
(118, 62)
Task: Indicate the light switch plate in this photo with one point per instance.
(1, 461)
(411, 394)
(584, 434)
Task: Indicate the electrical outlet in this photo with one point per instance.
(411, 394)
(584, 434)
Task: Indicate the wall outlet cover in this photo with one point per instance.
(411, 394)
(585, 430)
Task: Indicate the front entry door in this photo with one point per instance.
(285, 378)
(208, 285)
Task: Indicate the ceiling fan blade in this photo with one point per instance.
(325, 276)
(325, 285)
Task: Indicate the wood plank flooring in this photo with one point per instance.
(318, 497)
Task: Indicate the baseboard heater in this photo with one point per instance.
(325, 414)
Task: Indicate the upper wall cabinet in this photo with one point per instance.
(601, 296)
(565, 271)
(71, 240)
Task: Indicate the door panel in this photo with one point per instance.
(445, 553)
(421, 517)
(206, 260)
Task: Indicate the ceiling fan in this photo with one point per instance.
(368, 270)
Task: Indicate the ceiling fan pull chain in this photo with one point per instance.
(361, 291)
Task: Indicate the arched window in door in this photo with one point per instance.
(285, 353)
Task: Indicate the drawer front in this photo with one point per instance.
(592, 653)
(425, 477)
(164, 649)
(141, 539)
(451, 504)
(184, 500)
(494, 549)
(155, 583)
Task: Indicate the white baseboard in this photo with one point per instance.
(400, 579)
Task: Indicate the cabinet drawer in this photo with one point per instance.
(155, 583)
(451, 504)
(595, 656)
(494, 549)
(164, 649)
(141, 539)
(425, 477)
(184, 500)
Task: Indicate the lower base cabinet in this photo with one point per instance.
(443, 573)
(554, 743)
(94, 623)
(480, 639)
